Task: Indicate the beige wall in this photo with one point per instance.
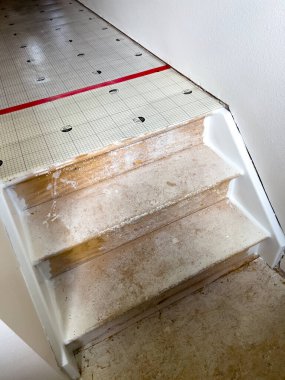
(19, 362)
(16, 308)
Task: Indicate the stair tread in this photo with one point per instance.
(104, 288)
(55, 226)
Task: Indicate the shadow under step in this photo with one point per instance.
(92, 221)
(104, 295)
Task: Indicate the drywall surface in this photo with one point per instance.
(235, 50)
(19, 361)
(16, 308)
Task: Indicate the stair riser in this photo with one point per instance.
(134, 229)
(165, 299)
(90, 169)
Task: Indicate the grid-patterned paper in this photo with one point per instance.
(64, 48)
(36, 137)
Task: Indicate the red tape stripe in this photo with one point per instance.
(81, 90)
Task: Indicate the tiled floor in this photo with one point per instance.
(54, 32)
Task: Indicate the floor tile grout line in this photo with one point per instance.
(34, 103)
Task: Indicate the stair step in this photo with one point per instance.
(106, 292)
(88, 169)
(97, 219)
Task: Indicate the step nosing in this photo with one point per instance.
(70, 340)
(23, 187)
(141, 216)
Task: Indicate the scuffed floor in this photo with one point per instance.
(232, 329)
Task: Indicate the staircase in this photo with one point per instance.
(120, 233)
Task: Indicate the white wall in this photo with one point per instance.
(235, 50)
(16, 307)
(19, 361)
